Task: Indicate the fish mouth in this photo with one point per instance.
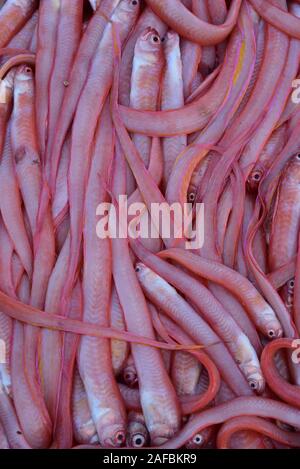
(130, 378)
(159, 440)
(161, 433)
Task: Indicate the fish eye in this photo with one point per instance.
(28, 70)
(120, 437)
(198, 439)
(155, 39)
(192, 197)
(298, 156)
(137, 269)
(134, 2)
(256, 176)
